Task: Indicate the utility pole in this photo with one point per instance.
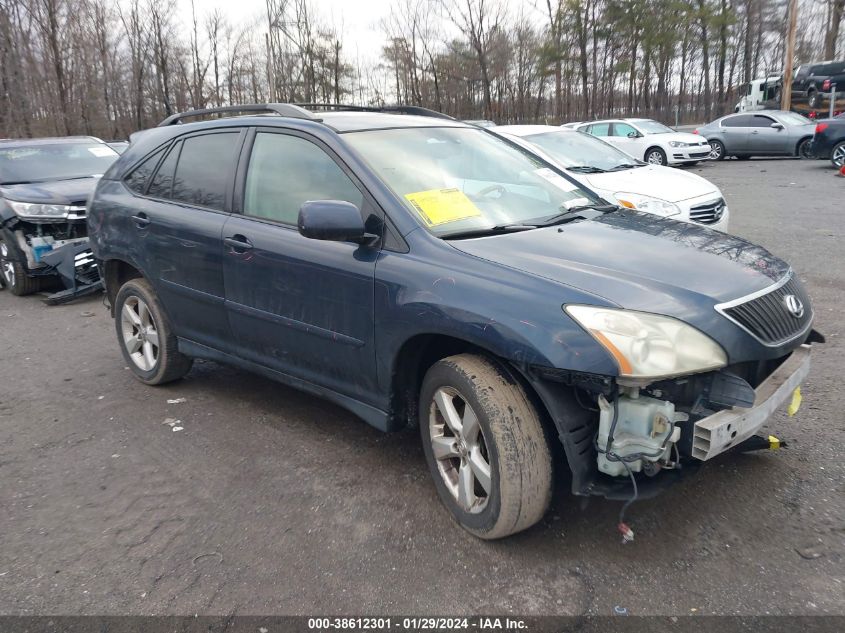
(271, 74)
(791, 27)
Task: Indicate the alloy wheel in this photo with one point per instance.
(140, 334)
(7, 266)
(715, 151)
(655, 158)
(460, 449)
(838, 156)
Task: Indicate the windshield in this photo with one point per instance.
(62, 161)
(458, 180)
(793, 118)
(653, 127)
(576, 149)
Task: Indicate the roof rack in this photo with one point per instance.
(282, 109)
(399, 109)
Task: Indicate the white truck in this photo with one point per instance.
(759, 94)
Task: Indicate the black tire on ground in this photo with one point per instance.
(837, 155)
(509, 439)
(655, 156)
(717, 150)
(802, 150)
(14, 274)
(137, 296)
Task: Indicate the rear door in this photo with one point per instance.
(178, 224)
(297, 305)
(736, 131)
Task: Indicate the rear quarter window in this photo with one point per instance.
(138, 177)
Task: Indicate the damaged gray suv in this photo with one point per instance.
(423, 272)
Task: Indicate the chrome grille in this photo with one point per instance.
(707, 213)
(767, 316)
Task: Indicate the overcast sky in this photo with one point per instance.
(359, 19)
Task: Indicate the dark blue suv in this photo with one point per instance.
(421, 271)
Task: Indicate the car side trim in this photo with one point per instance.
(192, 292)
(297, 325)
(371, 415)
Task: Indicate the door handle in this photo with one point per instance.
(755, 132)
(237, 243)
(141, 220)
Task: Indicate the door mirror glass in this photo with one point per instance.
(332, 220)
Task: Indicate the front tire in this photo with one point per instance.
(655, 156)
(146, 337)
(717, 150)
(813, 99)
(14, 276)
(837, 156)
(485, 446)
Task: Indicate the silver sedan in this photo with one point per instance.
(762, 133)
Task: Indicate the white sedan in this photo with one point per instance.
(650, 140)
(623, 180)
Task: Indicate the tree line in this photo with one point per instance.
(111, 67)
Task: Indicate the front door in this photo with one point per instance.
(766, 140)
(297, 305)
(627, 138)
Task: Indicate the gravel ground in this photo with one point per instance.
(270, 501)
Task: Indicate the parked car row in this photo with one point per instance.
(522, 295)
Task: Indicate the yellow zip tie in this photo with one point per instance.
(796, 402)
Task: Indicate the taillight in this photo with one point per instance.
(826, 84)
(820, 127)
(695, 131)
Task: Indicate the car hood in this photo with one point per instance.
(53, 192)
(639, 261)
(683, 137)
(666, 183)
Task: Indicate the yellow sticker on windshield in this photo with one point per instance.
(439, 206)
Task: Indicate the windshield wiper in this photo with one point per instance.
(586, 169)
(626, 166)
(492, 230)
(574, 212)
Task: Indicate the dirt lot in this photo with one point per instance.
(274, 502)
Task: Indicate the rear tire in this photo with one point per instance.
(717, 150)
(146, 337)
(485, 446)
(837, 155)
(803, 149)
(14, 274)
(813, 99)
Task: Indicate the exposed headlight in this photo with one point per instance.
(679, 144)
(647, 204)
(649, 345)
(32, 210)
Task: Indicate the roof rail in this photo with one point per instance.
(282, 109)
(398, 109)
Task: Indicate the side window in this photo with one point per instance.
(600, 129)
(286, 171)
(623, 129)
(761, 121)
(205, 164)
(137, 180)
(743, 120)
(162, 182)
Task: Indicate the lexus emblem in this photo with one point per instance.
(794, 305)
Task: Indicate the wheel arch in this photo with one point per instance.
(117, 272)
(806, 137)
(658, 148)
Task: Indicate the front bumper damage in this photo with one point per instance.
(75, 266)
(726, 429)
(713, 419)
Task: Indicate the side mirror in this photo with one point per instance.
(332, 220)
(634, 135)
(776, 126)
